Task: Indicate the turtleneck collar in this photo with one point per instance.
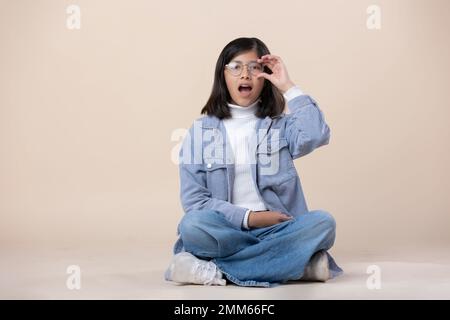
(243, 112)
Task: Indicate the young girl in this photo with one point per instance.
(246, 219)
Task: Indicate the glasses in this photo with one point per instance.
(236, 67)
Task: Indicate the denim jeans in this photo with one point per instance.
(260, 257)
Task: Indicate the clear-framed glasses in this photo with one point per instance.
(236, 67)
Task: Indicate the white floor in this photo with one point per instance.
(137, 273)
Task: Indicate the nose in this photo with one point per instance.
(245, 73)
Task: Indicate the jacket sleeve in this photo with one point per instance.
(306, 128)
(193, 191)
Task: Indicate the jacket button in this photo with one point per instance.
(209, 165)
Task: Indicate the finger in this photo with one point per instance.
(266, 62)
(285, 218)
(271, 64)
(265, 75)
(271, 57)
(272, 61)
(268, 58)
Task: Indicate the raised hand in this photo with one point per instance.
(279, 77)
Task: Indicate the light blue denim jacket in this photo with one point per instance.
(207, 177)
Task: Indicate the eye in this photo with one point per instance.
(234, 66)
(256, 67)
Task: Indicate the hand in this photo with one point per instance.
(266, 218)
(279, 76)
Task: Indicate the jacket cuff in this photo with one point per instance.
(298, 102)
(245, 220)
(292, 93)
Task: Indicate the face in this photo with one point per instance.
(245, 88)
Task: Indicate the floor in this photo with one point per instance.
(132, 272)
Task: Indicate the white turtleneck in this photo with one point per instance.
(241, 132)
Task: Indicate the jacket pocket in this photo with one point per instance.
(216, 180)
(274, 159)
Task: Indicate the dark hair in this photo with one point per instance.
(272, 101)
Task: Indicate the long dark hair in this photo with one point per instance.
(272, 101)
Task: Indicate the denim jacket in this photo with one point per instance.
(207, 173)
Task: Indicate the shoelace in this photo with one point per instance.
(205, 272)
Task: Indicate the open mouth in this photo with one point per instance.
(244, 88)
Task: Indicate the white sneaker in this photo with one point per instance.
(317, 268)
(186, 268)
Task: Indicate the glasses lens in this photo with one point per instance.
(255, 68)
(235, 68)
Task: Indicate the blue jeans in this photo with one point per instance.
(262, 256)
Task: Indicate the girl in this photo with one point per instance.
(246, 219)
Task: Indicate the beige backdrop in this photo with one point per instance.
(86, 116)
